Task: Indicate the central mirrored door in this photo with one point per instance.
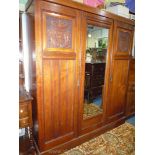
(95, 67)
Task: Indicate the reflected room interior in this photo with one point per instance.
(95, 66)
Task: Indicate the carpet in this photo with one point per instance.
(119, 141)
(91, 110)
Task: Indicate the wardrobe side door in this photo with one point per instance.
(117, 90)
(122, 48)
(57, 54)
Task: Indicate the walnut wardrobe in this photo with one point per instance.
(82, 57)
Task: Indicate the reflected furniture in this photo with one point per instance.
(94, 79)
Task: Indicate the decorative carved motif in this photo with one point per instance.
(124, 39)
(58, 32)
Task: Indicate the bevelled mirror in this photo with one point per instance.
(95, 66)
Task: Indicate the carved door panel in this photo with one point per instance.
(117, 90)
(57, 55)
(123, 37)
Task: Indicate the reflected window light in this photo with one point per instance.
(20, 56)
(25, 37)
(89, 35)
(33, 56)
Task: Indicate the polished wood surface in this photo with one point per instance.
(88, 125)
(56, 78)
(130, 107)
(25, 111)
(118, 80)
(25, 121)
(117, 91)
(123, 36)
(60, 73)
(81, 139)
(90, 9)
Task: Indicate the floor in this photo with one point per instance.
(118, 141)
(24, 145)
(91, 110)
(131, 120)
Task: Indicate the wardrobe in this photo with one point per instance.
(61, 115)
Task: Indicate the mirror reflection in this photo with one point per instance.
(95, 64)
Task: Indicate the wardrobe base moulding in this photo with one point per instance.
(81, 139)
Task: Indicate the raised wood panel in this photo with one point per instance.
(61, 28)
(59, 31)
(58, 98)
(123, 44)
(117, 90)
(123, 37)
